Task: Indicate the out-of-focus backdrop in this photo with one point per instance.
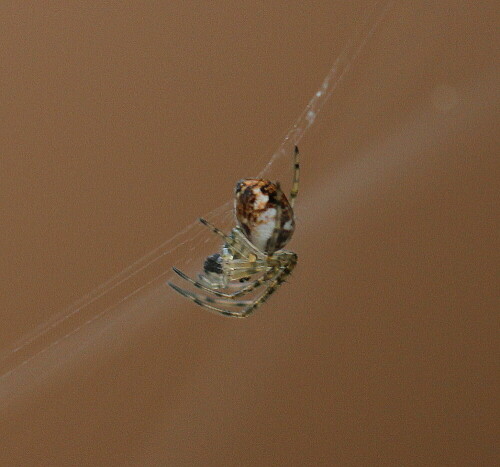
(122, 122)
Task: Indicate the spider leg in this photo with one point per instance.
(227, 239)
(276, 281)
(198, 301)
(273, 286)
(214, 229)
(227, 302)
(240, 265)
(238, 293)
(237, 269)
(296, 174)
(271, 273)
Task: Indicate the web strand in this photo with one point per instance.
(40, 340)
(337, 72)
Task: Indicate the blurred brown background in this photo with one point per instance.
(122, 122)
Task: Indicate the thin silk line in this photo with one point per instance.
(306, 119)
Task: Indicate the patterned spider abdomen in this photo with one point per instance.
(257, 203)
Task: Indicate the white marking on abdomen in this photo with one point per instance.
(263, 231)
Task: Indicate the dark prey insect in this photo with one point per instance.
(253, 249)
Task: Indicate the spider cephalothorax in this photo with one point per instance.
(253, 249)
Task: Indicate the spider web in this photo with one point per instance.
(140, 291)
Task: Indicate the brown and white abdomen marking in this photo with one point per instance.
(256, 204)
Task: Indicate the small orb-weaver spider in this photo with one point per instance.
(253, 248)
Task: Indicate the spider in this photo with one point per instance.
(253, 248)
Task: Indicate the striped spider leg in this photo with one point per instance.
(253, 249)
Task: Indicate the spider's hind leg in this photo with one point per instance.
(296, 175)
(199, 301)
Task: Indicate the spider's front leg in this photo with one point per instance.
(228, 239)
